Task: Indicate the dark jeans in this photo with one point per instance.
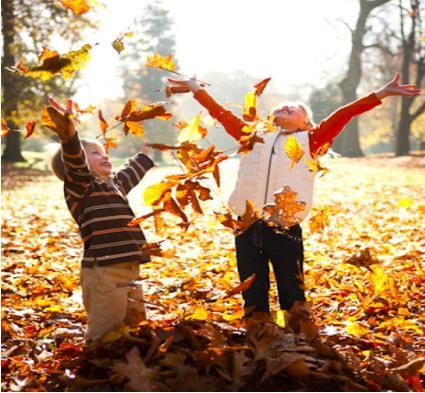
(261, 244)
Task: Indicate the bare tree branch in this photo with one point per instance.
(418, 111)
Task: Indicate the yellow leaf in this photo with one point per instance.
(356, 329)
(232, 317)
(65, 65)
(193, 131)
(78, 7)
(158, 61)
(200, 314)
(154, 193)
(293, 150)
(279, 318)
(405, 202)
(315, 166)
(135, 127)
(250, 110)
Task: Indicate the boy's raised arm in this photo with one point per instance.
(134, 170)
(231, 123)
(77, 172)
(330, 127)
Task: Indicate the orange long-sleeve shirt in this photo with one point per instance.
(323, 133)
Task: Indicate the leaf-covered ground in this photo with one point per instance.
(364, 274)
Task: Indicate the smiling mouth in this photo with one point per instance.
(108, 164)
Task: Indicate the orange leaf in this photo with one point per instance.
(243, 286)
(283, 211)
(248, 142)
(293, 150)
(4, 128)
(78, 7)
(30, 127)
(134, 127)
(138, 220)
(316, 167)
(110, 143)
(260, 86)
(102, 122)
(129, 107)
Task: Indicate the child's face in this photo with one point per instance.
(289, 117)
(97, 159)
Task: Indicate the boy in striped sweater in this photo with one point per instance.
(97, 199)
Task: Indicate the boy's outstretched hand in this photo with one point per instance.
(61, 119)
(395, 89)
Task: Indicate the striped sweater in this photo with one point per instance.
(101, 209)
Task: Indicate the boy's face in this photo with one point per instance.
(97, 159)
(289, 117)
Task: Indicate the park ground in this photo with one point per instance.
(364, 275)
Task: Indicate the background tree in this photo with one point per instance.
(144, 83)
(28, 27)
(348, 143)
(412, 70)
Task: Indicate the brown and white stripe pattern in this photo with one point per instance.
(101, 208)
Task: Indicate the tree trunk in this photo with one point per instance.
(12, 150)
(403, 132)
(348, 142)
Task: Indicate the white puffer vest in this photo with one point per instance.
(271, 158)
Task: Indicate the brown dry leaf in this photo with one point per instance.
(363, 258)
(260, 86)
(138, 220)
(154, 194)
(140, 378)
(319, 220)
(243, 286)
(248, 142)
(293, 150)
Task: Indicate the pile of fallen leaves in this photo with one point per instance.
(364, 276)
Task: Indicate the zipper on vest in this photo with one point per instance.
(273, 151)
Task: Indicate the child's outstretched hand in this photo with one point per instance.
(61, 119)
(183, 85)
(395, 89)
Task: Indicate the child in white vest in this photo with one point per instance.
(264, 171)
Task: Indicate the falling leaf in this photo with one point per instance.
(30, 127)
(78, 7)
(260, 86)
(250, 108)
(4, 128)
(153, 194)
(53, 64)
(248, 142)
(319, 220)
(363, 258)
(102, 122)
(158, 61)
(193, 131)
(243, 286)
(293, 150)
(53, 119)
(285, 208)
(110, 143)
(315, 166)
(138, 220)
(118, 43)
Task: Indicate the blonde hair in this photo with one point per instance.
(56, 162)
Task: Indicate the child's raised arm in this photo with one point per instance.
(330, 127)
(77, 172)
(231, 123)
(134, 170)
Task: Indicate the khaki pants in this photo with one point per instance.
(111, 298)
